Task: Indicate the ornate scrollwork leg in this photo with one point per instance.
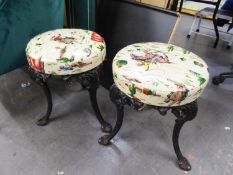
(116, 97)
(90, 81)
(41, 80)
(183, 113)
(105, 140)
(119, 99)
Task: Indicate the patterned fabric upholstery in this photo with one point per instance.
(66, 51)
(160, 74)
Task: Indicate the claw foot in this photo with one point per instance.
(184, 164)
(106, 128)
(42, 122)
(104, 140)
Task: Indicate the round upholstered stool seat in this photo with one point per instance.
(66, 51)
(160, 74)
(71, 54)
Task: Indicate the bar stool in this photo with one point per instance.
(163, 76)
(67, 53)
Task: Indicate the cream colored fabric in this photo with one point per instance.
(66, 51)
(160, 74)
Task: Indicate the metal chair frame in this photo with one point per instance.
(214, 17)
(223, 14)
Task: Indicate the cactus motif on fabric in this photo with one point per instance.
(121, 63)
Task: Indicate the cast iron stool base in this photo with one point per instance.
(183, 114)
(89, 81)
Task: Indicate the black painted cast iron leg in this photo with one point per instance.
(45, 120)
(105, 140)
(119, 99)
(41, 79)
(90, 81)
(216, 25)
(216, 32)
(183, 113)
(105, 127)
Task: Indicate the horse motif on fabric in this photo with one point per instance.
(150, 58)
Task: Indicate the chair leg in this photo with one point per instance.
(183, 113)
(45, 120)
(119, 99)
(216, 32)
(90, 81)
(41, 79)
(199, 23)
(105, 140)
(221, 78)
(105, 127)
(192, 26)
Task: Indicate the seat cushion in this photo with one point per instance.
(66, 51)
(160, 74)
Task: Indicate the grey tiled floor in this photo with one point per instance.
(142, 147)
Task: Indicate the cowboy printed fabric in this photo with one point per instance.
(160, 74)
(66, 51)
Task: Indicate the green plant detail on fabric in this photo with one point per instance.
(132, 89)
(101, 47)
(201, 80)
(115, 75)
(147, 91)
(170, 48)
(65, 60)
(51, 64)
(185, 51)
(53, 73)
(199, 77)
(187, 82)
(136, 46)
(121, 63)
(183, 59)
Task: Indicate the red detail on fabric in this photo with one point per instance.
(145, 91)
(58, 37)
(35, 64)
(140, 89)
(29, 60)
(96, 37)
